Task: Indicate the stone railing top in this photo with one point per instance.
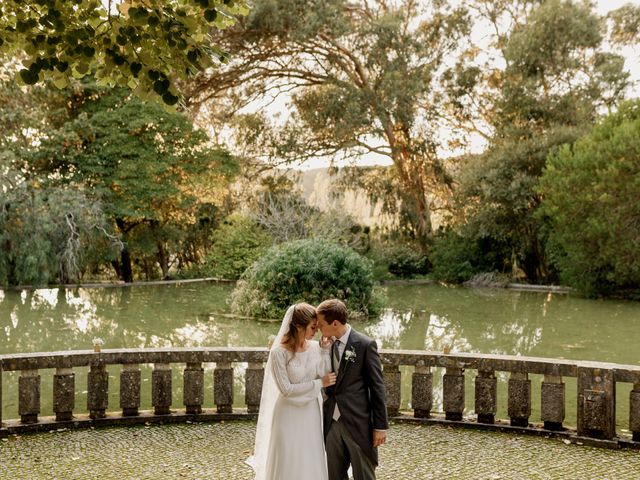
(506, 363)
(474, 361)
(80, 358)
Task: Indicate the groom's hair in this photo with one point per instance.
(333, 309)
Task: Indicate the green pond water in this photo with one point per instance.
(417, 317)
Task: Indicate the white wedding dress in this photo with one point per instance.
(289, 442)
(296, 447)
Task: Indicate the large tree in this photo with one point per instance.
(590, 194)
(540, 64)
(362, 78)
(543, 83)
(147, 45)
(151, 169)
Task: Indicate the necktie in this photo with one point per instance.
(336, 366)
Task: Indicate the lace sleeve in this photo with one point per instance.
(299, 392)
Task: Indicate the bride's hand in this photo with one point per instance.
(329, 379)
(326, 342)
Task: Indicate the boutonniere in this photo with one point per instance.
(350, 355)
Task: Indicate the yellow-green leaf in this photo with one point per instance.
(61, 82)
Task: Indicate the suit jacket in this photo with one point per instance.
(359, 392)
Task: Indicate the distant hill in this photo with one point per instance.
(316, 188)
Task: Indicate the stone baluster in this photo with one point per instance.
(453, 393)
(422, 391)
(486, 396)
(64, 389)
(223, 387)
(254, 377)
(596, 403)
(552, 402)
(634, 412)
(519, 393)
(130, 381)
(391, 378)
(29, 396)
(161, 388)
(193, 392)
(97, 391)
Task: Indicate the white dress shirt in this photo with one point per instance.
(341, 347)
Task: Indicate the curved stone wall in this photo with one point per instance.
(596, 392)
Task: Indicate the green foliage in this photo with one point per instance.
(139, 157)
(558, 74)
(455, 258)
(497, 199)
(590, 197)
(51, 235)
(337, 226)
(407, 262)
(306, 270)
(393, 259)
(237, 244)
(147, 45)
(625, 27)
(558, 69)
(560, 42)
(151, 170)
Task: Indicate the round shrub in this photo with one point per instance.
(309, 271)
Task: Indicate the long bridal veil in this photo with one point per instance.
(258, 461)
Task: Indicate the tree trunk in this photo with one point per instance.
(413, 171)
(535, 264)
(116, 268)
(124, 270)
(412, 180)
(125, 266)
(163, 260)
(11, 264)
(423, 219)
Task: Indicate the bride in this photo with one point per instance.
(289, 441)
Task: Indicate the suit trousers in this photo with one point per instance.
(342, 450)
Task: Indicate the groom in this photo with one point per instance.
(355, 413)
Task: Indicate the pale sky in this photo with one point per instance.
(631, 54)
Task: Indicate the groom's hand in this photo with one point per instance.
(379, 437)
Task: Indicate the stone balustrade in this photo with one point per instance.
(596, 389)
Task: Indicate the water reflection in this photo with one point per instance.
(390, 327)
(45, 295)
(418, 318)
(133, 317)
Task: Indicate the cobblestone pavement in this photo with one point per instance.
(217, 451)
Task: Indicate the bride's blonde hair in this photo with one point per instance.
(303, 314)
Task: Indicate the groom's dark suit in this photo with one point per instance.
(359, 393)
